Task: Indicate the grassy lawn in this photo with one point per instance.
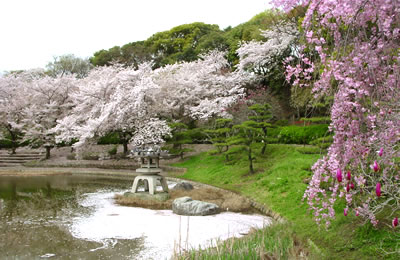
(279, 182)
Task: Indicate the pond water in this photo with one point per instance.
(72, 217)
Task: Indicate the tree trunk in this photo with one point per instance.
(125, 144)
(250, 161)
(181, 152)
(48, 148)
(226, 157)
(123, 138)
(264, 148)
(14, 143)
(264, 129)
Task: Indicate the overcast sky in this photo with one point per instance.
(34, 31)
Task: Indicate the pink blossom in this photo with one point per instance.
(348, 175)
(357, 213)
(339, 175)
(375, 166)
(345, 211)
(364, 113)
(378, 189)
(395, 222)
(348, 187)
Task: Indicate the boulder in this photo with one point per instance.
(186, 206)
(183, 186)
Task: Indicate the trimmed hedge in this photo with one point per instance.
(323, 142)
(298, 134)
(4, 143)
(308, 150)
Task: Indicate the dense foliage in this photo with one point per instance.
(185, 43)
(356, 46)
(301, 134)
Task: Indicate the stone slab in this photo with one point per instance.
(144, 171)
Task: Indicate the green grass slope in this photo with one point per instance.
(280, 180)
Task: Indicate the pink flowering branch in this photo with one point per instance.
(358, 62)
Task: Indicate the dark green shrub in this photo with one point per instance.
(325, 139)
(301, 134)
(111, 138)
(274, 132)
(113, 151)
(324, 145)
(197, 136)
(323, 142)
(4, 143)
(282, 122)
(272, 140)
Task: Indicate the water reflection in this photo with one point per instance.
(75, 217)
(36, 214)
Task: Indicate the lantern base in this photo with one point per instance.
(150, 183)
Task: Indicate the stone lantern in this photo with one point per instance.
(149, 171)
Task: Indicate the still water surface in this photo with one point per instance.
(75, 217)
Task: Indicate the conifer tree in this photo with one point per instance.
(179, 137)
(245, 134)
(263, 116)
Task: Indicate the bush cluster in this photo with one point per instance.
(111, 138)
(4, 143)
(323, 142)
(298, 134)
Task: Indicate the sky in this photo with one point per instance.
(34, 31)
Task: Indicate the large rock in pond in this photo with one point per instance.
(186, 206)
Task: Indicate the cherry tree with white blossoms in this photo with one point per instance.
(134, 103)
(110, 99)
(13, 88)
(260, 57)
(48, 100)
(202, 88)
(90, 99)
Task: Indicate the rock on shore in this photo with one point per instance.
(188, 207)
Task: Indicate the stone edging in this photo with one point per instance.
(133, 167)
(126, 175)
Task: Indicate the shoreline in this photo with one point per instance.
(124, 174)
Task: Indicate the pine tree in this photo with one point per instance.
(262, 115)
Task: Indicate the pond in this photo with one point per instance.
(72, 216)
